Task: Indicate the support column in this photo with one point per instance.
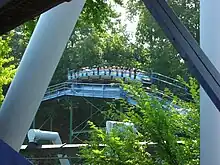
(51, 123)
(209, 115)
(71, 123)
(91, 111)
(36, 70)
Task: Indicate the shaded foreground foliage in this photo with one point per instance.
(155, 123)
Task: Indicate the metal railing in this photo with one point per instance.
(75, 88)
(83, 89)
(92, 90)
(167, 80)
(58, 87)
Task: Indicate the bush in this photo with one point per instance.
(162, 125)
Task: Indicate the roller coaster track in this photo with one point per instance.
(82, 84)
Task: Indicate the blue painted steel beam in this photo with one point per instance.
(110, 74)
(8, 156)
(83, 90)
(107, 91)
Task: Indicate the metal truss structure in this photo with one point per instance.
(199, 64)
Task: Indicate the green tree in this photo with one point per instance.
(115, 148)
(155, 123)
(7, 69)
(162, 56)
(88, 46)
(89, 43)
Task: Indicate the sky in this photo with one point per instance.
(130, 26)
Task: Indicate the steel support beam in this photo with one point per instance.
(71, 122)
(199, 64)
(209, 117)
(35, 71)
(14, 13)
(51, 123)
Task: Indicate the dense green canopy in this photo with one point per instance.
(100, 39)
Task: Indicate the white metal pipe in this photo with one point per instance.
(34, 135)
(209, 116)
(36, 70)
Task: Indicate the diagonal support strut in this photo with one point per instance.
(197, 61)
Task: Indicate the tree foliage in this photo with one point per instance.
(163, 125)
(7, 69)
(116, 148)
(161, 52)
(89, 46)
(100, 39)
